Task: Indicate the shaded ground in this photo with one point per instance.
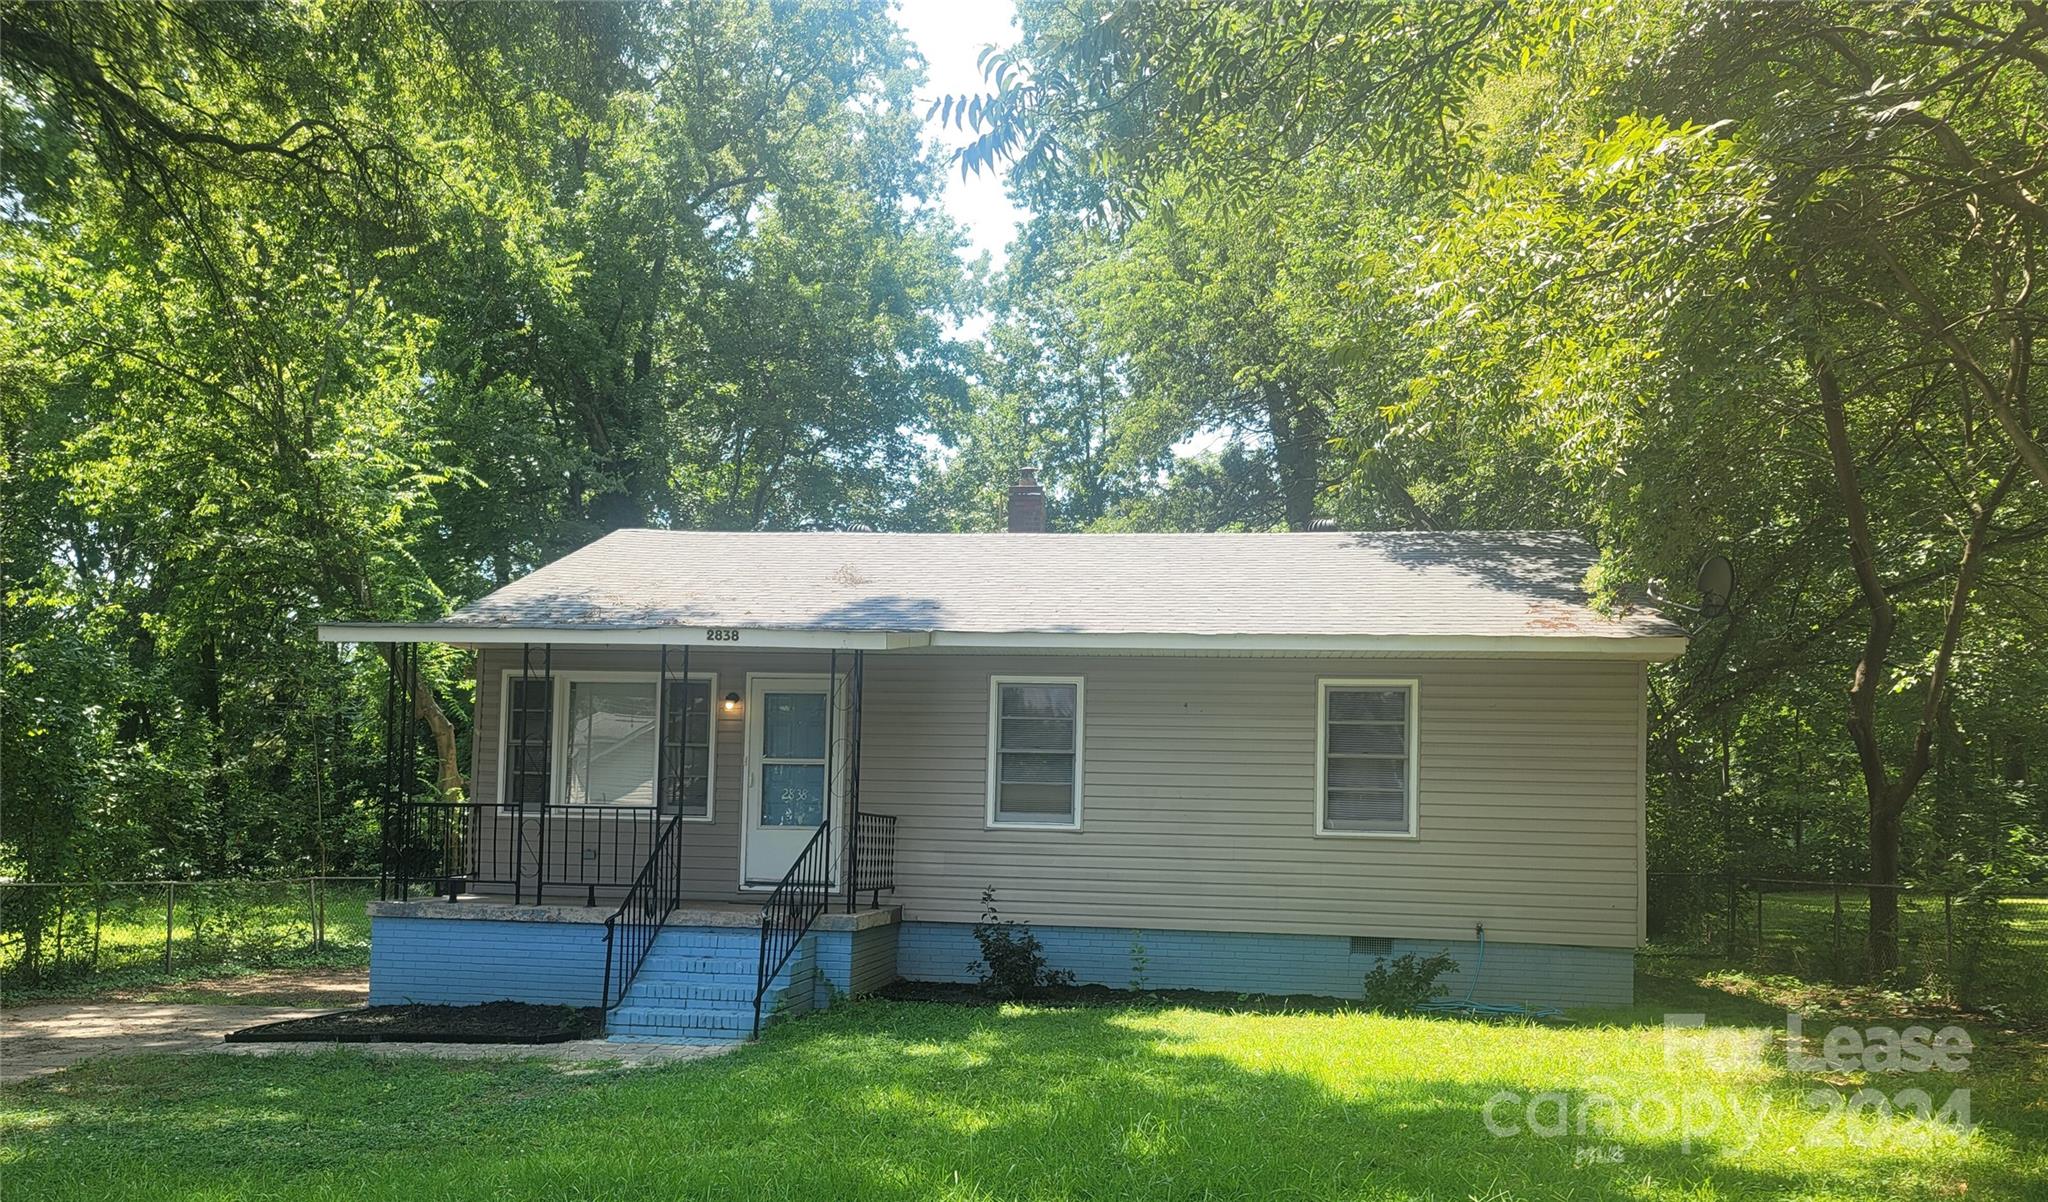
(338, 980)
(40, 1039)
(333, 987)
(49, 1034)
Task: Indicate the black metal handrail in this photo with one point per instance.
(804, 892)
(528, 850)
(436, 843)
(873, 856)
(630, 932)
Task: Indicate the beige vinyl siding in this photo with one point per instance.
(1200, 783)
(1199, 779)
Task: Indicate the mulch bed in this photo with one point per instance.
(1103, 995)
(492, 1022)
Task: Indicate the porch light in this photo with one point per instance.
(732, 704)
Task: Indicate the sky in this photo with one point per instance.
(950, 33)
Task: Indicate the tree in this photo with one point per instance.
(358, 310)
(1757, 278)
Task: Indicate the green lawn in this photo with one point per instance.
(112, 936)
(2000, 965)
(906, 1100)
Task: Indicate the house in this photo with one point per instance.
(720, 776)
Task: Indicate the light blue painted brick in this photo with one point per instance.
(462, 962)
(697, 981)
(1247, 962)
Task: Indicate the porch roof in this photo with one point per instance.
(1498, 593)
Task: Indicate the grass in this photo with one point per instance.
(1960, 957)
(921, 1100)
(98, 939)
(1997, 965)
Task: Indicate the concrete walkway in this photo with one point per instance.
(40, 1039)
(570, 1055)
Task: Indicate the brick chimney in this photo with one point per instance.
(1027, 503)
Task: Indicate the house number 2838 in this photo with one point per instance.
(721, 634)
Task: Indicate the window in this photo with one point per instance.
(794, 740)
(610, 758)
(686, 732)
(1365, 771)
(1034, 737)
(598, 738)
(529, 742)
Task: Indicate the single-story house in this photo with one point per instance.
(720, 776)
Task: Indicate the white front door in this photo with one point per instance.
(790, 731)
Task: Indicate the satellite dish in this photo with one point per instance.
(1716, 586)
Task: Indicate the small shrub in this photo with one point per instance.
(1012, 960)
(1399, 985)
(1140, 961)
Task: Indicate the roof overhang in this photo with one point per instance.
(1650, 648)
(1655, 648)
(622, 636)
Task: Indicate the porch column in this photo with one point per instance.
(673, 779)
(856, 689)
(533, 736)
(399, 827)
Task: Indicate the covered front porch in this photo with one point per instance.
(634, 806)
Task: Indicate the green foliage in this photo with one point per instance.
(1400, 984)
(1685, 278)
(64, 938)
(1012, 963)
(358, 311)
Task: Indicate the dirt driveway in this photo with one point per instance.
(44, 1038)
(48, 1036)
(330, 987)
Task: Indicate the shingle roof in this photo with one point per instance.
(1393, 584)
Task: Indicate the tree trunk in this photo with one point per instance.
(216, 758)
(1885, 848)
(1886, 797)
(1296, 430)
(449, 780)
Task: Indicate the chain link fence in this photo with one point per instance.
(1973, 948)
(64, 931)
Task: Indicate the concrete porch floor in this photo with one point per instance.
(486, 907)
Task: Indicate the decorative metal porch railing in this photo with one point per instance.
(530, 851)
(525, 843)
(804, 892)
(630, 932)
(874, 858)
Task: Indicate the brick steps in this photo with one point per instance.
(697, 985)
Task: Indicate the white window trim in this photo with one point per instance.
(995, 686)
(558, 741)
(1323, 687)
